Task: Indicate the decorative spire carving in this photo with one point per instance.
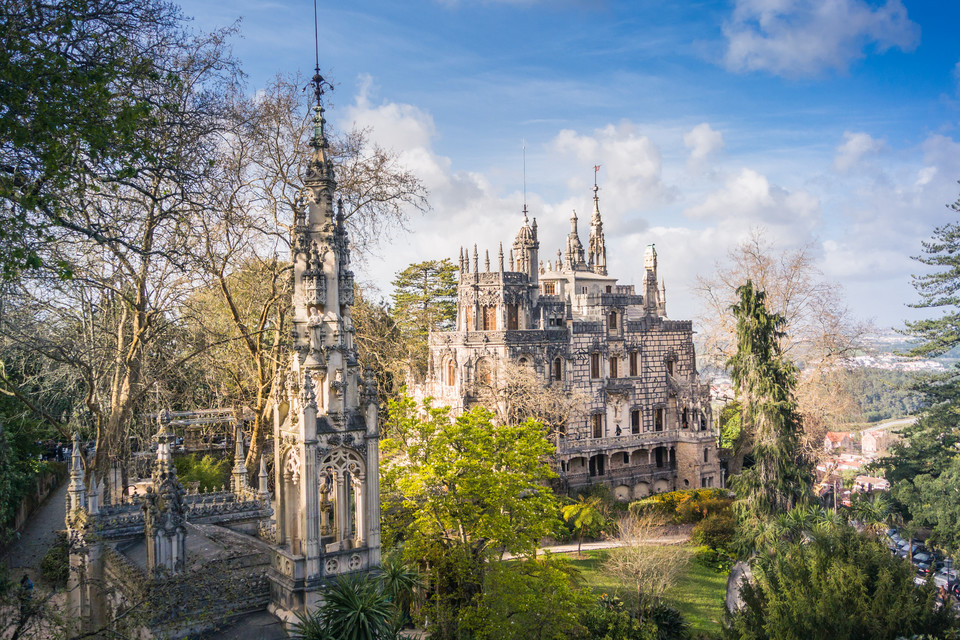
(574, 247)
(596, 245)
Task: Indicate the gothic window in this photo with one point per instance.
(634, 364)
(451, 372)
(484, 372)
(558, 369)
(683, 419)
(549, 288)
(488, 316)
(597, 422)
(706, 455)
(658, 419)
(469, 318)
(670, 367)
(513, 317)
(613, 367)
(612, 321)
(594, 365)
(635, 421)
(609, 289)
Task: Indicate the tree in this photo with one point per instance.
(764, 380)
(516, 392)
(819, 329)
(537, 599)
(645, 563)
(939, 289)
(424, 300)
(582, 514)
(470, 489)
(379, 344)
(830, 581)
(75, 114)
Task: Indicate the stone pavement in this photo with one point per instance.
(38, 535)
(603, 544)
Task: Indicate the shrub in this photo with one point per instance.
(716, 531)
(55, 565)
(717, 560)
(669, 622)
(684, 507)
(210, 472)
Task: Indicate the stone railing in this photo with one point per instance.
(620, 443)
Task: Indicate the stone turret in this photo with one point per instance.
(325, 417)
(164, 509)
(238, 479)
(575, 255)
(597, 246)
(651, 294)
(526, 248)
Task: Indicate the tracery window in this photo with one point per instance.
(594, 365)
(634, 364)
(558, 369)
(451, 372)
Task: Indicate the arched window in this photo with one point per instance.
(612, 321)
(558, 369)
(451, 372)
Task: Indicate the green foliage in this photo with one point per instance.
(932, 500)
(781, 476)
(78, 70)
(19, 470)
(211, 472)
(716, 531)
(826, 580)
(355, 607)
(939, 290)
(717, 560)
(607, 620)
(584, 514)
(669, 622)
(460, 492)
(685, 506)
(537, 599)
(55, 565)
(881, 393)
(730, 425)
(424, 300)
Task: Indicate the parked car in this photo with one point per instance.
(946, 579)
(926, 568)
(922, 557)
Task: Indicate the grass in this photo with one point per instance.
(699, 592)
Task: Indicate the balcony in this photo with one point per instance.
(621, 442)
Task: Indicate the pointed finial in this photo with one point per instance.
(501, 257)
(263, 485)
(511, 260)
(486, 261)
(476, 262)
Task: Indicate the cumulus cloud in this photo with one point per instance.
(855, 146)
(807, 37)
(749, 198)
(702, 141)
(631, 163)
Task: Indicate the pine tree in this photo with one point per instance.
(424, 300)
(764, 381)
(939, 290)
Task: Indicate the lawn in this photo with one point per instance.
(699, 594)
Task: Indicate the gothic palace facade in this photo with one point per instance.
(647, 426)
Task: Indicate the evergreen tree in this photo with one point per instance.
(939, 290)
(424, 300)
(764, 381)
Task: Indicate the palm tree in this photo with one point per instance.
(400, 583)
(355, 607)
(583, 513)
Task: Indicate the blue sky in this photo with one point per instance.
(831, 122)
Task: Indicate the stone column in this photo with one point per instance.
(373, 500)
(342, 513)
(359, 507)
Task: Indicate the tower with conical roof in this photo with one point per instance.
(325, 409)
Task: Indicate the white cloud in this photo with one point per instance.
(702, 141)
(807, 37)
(854, 148)
(748, 199)
(631, 165)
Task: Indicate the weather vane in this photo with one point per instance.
(596, 170)
(318, 80)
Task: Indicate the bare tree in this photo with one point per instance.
(821, 333)
(648, 558)
(518, 391)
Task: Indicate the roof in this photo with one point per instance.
(837, 436)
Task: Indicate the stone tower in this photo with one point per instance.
(325, 412)
(164, 510)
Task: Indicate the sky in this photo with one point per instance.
(833, 124)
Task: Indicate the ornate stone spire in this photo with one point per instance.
(238, 479)
(597, 246)
(574, 247)
(77, 490)
(500, 256)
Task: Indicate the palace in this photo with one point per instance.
(647, 426)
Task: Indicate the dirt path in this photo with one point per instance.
(39, 534)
